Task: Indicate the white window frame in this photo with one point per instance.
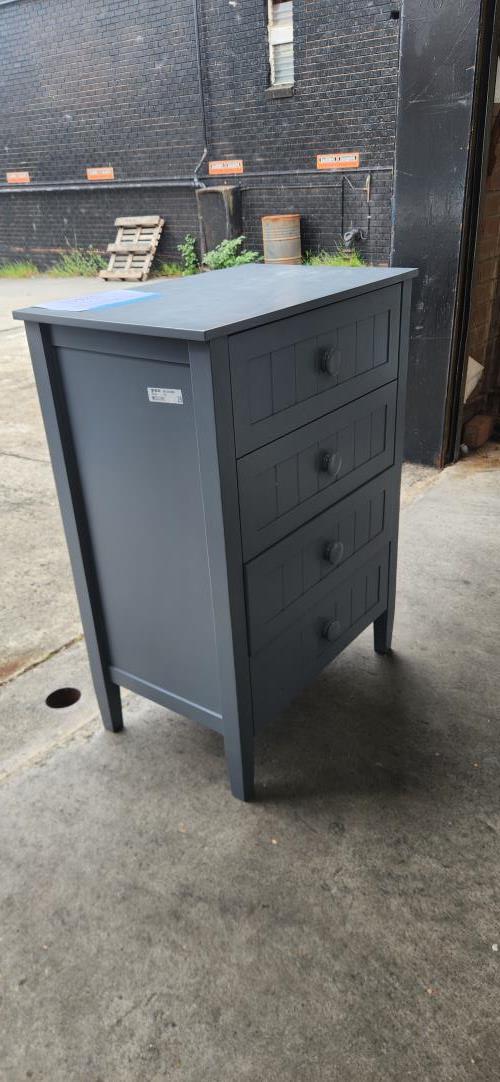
(278, 34)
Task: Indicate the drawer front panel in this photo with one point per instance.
(293, 371)
(283, 485)
(284, 667)
(287, 579)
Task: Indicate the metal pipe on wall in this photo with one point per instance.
(197, 182)
(164, 182)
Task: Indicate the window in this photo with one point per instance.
(280, 26)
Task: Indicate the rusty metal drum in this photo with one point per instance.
(281, 236)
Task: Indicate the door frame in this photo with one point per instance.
(484, 92)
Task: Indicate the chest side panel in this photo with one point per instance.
(132, 427)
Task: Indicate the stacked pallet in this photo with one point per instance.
(133, 251)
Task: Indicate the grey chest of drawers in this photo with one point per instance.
(227, 454)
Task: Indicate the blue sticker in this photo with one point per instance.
(96, 300)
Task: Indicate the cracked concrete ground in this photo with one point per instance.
(36, 581)
(346, 926)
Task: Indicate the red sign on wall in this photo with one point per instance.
(337, 161)
(103, 172)
(225, 167)
(20, 176)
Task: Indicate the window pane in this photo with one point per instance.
(281, 40)
(283, 63)
(282, 11)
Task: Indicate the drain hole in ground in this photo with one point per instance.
(63, 697)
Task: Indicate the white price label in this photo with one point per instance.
(172, 396)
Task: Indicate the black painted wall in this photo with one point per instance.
(115, 82)
(439, 43)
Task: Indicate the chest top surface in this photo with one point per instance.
(205, 306)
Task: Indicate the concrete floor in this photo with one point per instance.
(37, 581)
(344, 927)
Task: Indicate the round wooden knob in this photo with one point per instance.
(333, 552)
(331, 630)
(331, 462)
(329, 360)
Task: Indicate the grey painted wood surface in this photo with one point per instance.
(285, 483)
(289, 577)
(296, 370)
(145, 519)
(207, 306)
(233, 531)
(283, 668)
(70, 497)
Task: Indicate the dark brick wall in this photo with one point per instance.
(115, 82)
(346, 65)
(96, 83)
(325, 214)
(45, 224)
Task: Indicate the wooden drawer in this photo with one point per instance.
(286, 580)
(285, 666)
(289, 481)
(288, 373)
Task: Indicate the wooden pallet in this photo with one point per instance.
(133, 251)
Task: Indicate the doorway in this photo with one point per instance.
(473, 401)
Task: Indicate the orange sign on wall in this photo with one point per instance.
(337, 161)
(225, 167)
(103, 172)
(21, 176)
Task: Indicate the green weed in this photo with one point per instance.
(228, 254)
(22, 268)
(167, 270)
(79, 263)
(343, 257)
(189, 255)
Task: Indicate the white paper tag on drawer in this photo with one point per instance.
(172, 396)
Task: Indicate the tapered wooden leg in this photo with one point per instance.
(382, 631)
(54, 410)
(110, 704)
(240, 762)
(383, 625)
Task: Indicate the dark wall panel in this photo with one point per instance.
(438, 57)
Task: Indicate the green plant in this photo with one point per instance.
(168, 270)
(343, 257)
(228, 254)
(22, 268)
(189, 255)
(73, 263)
